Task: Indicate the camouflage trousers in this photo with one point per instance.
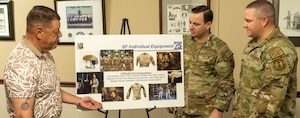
(180, 114)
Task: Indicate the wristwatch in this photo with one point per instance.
(220, 110)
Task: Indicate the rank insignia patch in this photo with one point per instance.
(276, 53)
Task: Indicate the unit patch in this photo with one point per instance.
(279, 65)
(228, 54)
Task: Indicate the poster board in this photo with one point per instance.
(130, 71)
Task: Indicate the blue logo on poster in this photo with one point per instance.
(178, 45)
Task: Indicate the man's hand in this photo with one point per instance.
(216, 114)
(233, 113)
(89, 103)
(170, 110)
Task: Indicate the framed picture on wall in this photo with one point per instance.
(6, 20)
(84, 17)
(173, 15)
(288, 19)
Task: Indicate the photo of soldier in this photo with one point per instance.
(113, 94)
(163, 61)
(116, 60)
(127, 62)
(168, 61)
(94, 82)
(288, 19)
(79, 16)
(160, 91)
(105, 61)
(296, 20)
(163, 91)
(89, 82)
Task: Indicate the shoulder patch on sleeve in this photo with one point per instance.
(280, 66)
(276, 53)
(228, 54)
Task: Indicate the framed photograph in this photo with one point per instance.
(288, 19)
(6, 20)
(80, 17)
(173, 16)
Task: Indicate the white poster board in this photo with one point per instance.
(130, 71)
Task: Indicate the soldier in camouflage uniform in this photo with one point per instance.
(268, 83)
(106, 63)
(208, 69)
(116, 63)
(127, 62)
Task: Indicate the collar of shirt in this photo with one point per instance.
(31, 47)
(207, 42)
(253, 43)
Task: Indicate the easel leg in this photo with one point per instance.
(104, 112)
(148, 110)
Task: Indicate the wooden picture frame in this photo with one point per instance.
(6, 20)
(173, 15)
(80, 17)
(288, 19)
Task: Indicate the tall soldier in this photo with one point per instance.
(268, 82)
(208, 69)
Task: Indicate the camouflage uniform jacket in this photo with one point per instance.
(268, 79)
(208, 69)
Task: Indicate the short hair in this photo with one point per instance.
(40, 15)
(263, 8)
(207, 12)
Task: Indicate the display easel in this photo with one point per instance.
(123, 31)
(148, 110)
(123, 27)
(104, 112)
